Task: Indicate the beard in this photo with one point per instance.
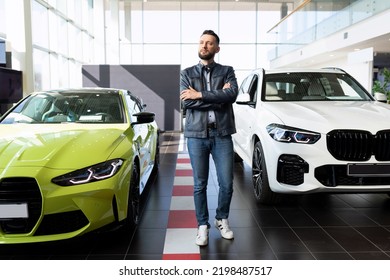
(207, 56)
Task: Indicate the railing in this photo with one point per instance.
(314, 20)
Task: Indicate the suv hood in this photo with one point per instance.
(65, 146)
(323, 116)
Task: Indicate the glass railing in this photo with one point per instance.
(315, 20)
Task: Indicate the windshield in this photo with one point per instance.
(312, 86)
(60, 107)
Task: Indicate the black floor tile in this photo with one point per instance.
(218, 245)
(377, 235)
(162, 186)
(144, 256)
(294, 256)
(325, 217)
(219, 256)
(106, 256)
(284, 240)
(112, 243)
(296, 217)
(332, 256)
(158, 203)
(154, 219)
(147, 241)
(317, 240)
(242, 218)
(269, 218)
(351, 240)
(320, 201)
(267, 255)
(370, 256)
(378, 215)
(252, 241)
(356, 200)
(354, 218)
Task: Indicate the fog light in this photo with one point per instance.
(291, 169)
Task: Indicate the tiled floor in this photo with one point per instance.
(322, 226)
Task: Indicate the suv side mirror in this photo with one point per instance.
(243, 99)
(381, 97)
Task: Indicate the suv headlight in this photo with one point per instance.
(288, 134)
(90, 174)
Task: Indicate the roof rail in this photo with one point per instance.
(335, 68)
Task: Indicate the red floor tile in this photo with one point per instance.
(183, 160)
(182, 219)
(183, 172)
(183, 191)
(181, 257)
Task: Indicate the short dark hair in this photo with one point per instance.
(212, 33)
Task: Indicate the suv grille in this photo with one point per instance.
(359, 145)
(21, 190)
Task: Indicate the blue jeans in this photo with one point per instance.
(221, 149)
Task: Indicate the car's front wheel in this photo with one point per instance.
(261, 188)
(133, 203)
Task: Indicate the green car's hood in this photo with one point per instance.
(64, 146)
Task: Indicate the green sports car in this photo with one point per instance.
(72, 161)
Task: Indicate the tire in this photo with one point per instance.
(237, 158)
(261, 188)
(134, 199)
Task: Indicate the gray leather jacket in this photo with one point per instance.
(218, 99)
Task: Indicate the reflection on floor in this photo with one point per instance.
(322, 226)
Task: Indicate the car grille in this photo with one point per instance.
(359, 145)
(336, 175)
(21, 190)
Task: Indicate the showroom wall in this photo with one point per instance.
(156, 85)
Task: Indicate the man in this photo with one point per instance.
(208, 91)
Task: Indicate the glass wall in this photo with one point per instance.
(2, 19)
(167, 32)
(62, 40)
(2, 33)
(65, 34)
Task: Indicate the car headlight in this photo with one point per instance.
(90, 174)
(288, 134)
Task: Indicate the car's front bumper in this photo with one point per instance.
(300, 168)
(55, 212)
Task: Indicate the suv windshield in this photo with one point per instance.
(59, 107)
(312, 86)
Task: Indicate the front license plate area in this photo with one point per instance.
(368, 170)
(13, 211)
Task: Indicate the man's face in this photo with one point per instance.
(208, 47)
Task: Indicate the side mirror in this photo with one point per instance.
(143, 117)
(381, 97)
(244, 99)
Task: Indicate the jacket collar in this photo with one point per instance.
(210, 66)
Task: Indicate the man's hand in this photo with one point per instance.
(190, 93)
(225, 86)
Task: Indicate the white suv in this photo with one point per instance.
(305, 131)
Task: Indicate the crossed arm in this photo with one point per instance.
(192, 94)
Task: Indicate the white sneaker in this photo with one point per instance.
(202, 238)
(223, 226)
